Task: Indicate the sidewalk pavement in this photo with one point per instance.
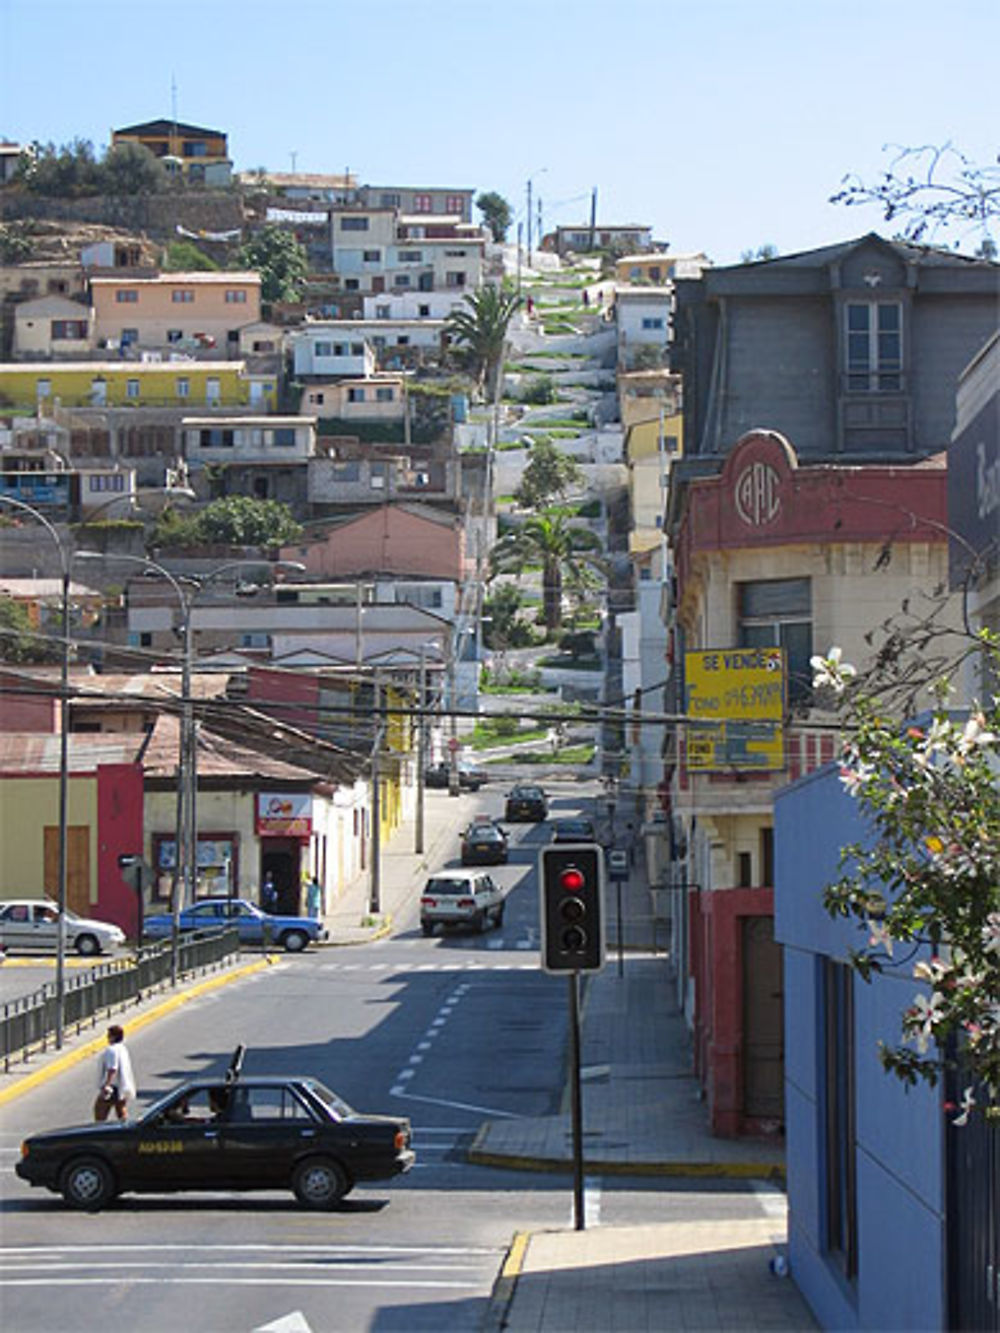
(642, 1116)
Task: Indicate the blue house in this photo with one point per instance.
(866, 1157)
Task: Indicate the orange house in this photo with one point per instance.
(185, 311)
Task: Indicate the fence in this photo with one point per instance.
(28, 1024)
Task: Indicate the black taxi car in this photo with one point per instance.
(232, 1133)
(527, 802)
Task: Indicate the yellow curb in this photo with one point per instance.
(71, 1058)
(677, 1169)
(515, 1255)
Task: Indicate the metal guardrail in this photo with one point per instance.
(28, 1024)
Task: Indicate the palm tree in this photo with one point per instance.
(563, 550)
(481, 326)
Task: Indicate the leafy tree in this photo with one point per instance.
(766, 251)
(19, 640)
(68, 171)
(185, 257)
(15, 243)
(561, 548)
(928, 875)
(548, 474)
(480, 326)
(930, 190)
(281, 261)
(496, 213)
(130, 169)
(236, 520)
(503, 627)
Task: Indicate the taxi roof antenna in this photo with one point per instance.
(236, 1064)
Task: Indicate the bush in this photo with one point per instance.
(539, 391)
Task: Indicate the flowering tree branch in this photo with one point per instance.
(928, 877)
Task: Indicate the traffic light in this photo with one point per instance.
(572, 888)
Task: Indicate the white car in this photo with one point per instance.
(461, 898)
(33, 923)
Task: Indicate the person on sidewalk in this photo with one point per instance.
(313, 896)
(115, 1080)
(269, 894)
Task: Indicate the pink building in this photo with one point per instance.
(399, 539)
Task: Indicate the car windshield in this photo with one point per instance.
(484, 833)
(527, 793)
(447, 887)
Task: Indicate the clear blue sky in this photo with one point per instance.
(724, 124)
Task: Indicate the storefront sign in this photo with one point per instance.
(284, 814)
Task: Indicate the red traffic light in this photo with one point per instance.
(572, 880)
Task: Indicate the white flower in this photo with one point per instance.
(830, 671)
(855, 777)
(967, 1104)
(922, 1017)
(879, 936)
(991, 933)
(975, 733)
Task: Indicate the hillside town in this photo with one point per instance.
(325, 505)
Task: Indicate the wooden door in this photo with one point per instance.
(77, 868)
(763, 1019)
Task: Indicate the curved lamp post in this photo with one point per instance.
(65, 565)
(186, 841)
(66, 557)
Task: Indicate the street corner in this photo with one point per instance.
(505, 1285)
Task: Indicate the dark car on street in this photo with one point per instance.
(226, 1133)
(255, 926)
(574, 830)
(526, 803)
(469, 777)
(484, 842)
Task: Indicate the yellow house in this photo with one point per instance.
(183, 310)
(189, 150)
(29, 385)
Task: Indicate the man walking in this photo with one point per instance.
(115, 1080)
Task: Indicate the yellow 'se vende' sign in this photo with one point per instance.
(735, 684)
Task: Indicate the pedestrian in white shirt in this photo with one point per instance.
(115, 1080)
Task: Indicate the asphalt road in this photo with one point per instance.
(447, 1030)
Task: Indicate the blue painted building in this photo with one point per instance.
(865, 1156)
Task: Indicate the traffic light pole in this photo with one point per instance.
(576, 1100)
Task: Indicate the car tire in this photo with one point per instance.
(87, 945)
(427, 927)
(87, 1184)
(294, 941)
(498, 916)
(320, 1183)
(479, 923)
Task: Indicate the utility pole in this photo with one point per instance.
(375, 887)
(418, 832)
(593, 216)
(529, 222)
(520, 233)
(454, 787)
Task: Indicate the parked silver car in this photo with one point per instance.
(33, 923)
(461, 898)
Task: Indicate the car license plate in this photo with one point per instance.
(482, 847)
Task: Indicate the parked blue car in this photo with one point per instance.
(255, 926)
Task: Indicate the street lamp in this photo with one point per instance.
(66, 556)
(186, 837)
(538, 172)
